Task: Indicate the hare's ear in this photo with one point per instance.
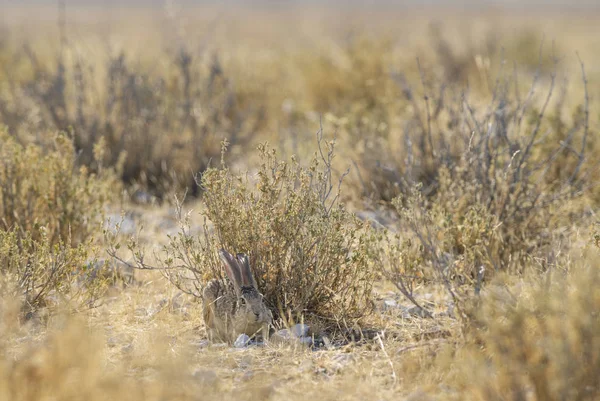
(231, 268)
(247, 277)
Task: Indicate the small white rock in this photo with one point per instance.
(327, 342)
(419, 312)
(389, 304)
(286, 336)
(300, 330)
(306, 340)
(242, 341)
(283, 334)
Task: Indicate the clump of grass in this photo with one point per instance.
(457, 251)
(491, 197)
(536, 340)
(41, 274)
(70, 363)
(45, 188)
(312, 259)
(50, 210)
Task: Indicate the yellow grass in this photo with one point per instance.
(533, 338)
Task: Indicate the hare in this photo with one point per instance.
(235, 307)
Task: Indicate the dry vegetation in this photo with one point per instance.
(423, 194)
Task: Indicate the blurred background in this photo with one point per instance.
(464, 237)
(164, 82)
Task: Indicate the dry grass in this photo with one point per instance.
(495, 232)
(50, 211)
(43, 187)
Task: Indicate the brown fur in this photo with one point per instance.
(235, 306)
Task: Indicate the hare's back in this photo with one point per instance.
(213, 290)
(219, 301)
(219, 296)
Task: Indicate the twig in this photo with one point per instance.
(536, 78)
(426, 97)
(419, 345)
(586, 114)
(387, 357)
(360, 178)
(401, 286)
(537, 125)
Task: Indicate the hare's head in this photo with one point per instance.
(250, 304)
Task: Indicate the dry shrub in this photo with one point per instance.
(166, 124)
(438, 123)
(311, 258)
(49, 211)
(508, 159)
(352, 79)
(487, 188)
(46, 188)
(455, 250)
(537, 340)
(42, 274)
(475, 64)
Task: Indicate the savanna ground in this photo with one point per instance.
(419, 186)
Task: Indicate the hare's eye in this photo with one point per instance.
(242, 301)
